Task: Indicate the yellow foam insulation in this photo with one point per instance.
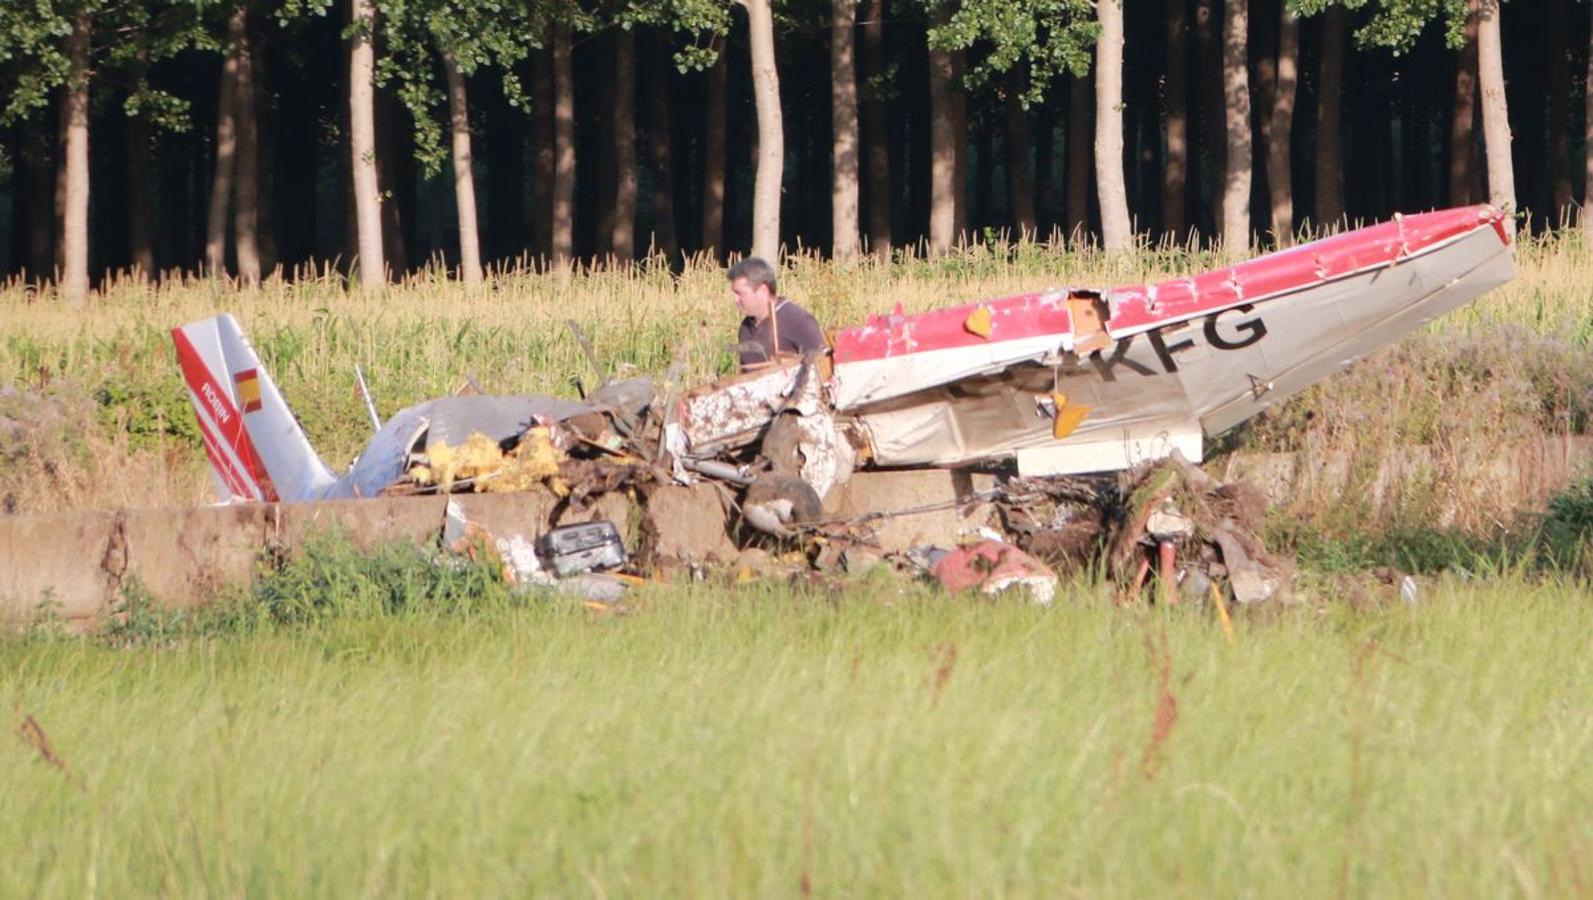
(533, 461)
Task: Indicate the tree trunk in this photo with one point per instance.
(1462, 143)
(622, 232)
(875, 135)
(75, 206)
(660, 151)
(1495, 113)
(943, 139)
(226, 162)
(1175, 168)
(1078, 160)
(464, 171)
(1280, 188)
(843, 119)
(1236, 107)
(1116, 232)
(1020, 180)
(140, 238)
(563, 234)
(713, 180)
(1559, 82)
(957, 108)
(246, 199)
(771, 136)
(362, 147)
(1329, 158)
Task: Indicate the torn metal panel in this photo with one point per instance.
(827, 456)
(1128, 390)
(455, 419)
(899, 354)
(734, 412)
(1108, 453)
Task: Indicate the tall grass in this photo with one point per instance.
(1513, 363)
(884, 742)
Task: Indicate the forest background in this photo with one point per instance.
(376, 137)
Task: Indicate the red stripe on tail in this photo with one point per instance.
(229, 421)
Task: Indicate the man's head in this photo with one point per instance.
(752, 283)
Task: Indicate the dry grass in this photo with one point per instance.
(1510, 366)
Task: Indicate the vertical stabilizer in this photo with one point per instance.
(256, 447)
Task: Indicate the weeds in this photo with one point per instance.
(1511, 366)
(720, 743)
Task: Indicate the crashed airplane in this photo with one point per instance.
(1057, 382)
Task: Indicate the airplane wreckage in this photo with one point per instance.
(1028, 392)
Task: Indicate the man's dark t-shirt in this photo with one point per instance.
(799, 332)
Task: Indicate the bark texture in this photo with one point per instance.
(75, 202)
(1116, 232)
(362, 147)
(1236, 109)
(1280, 131)
(246, 187)
(843, 121)
(1495, 113)
(563, 231)
(464, 171)
(771, 132)
(226, 161)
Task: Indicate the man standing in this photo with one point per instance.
(773, 324)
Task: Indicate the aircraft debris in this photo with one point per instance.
(992, 567)
(1189, 533)
(917, 430)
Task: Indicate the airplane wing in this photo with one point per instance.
(1136, 372)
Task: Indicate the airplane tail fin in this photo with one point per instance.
(256, 447)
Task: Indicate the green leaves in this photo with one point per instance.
(1396, 24)
(1052, 37)
(495, 34)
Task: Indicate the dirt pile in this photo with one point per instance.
(1193, 538)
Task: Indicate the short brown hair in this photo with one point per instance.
(756, 270)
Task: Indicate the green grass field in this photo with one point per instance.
(390, 727)
(764, 742)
